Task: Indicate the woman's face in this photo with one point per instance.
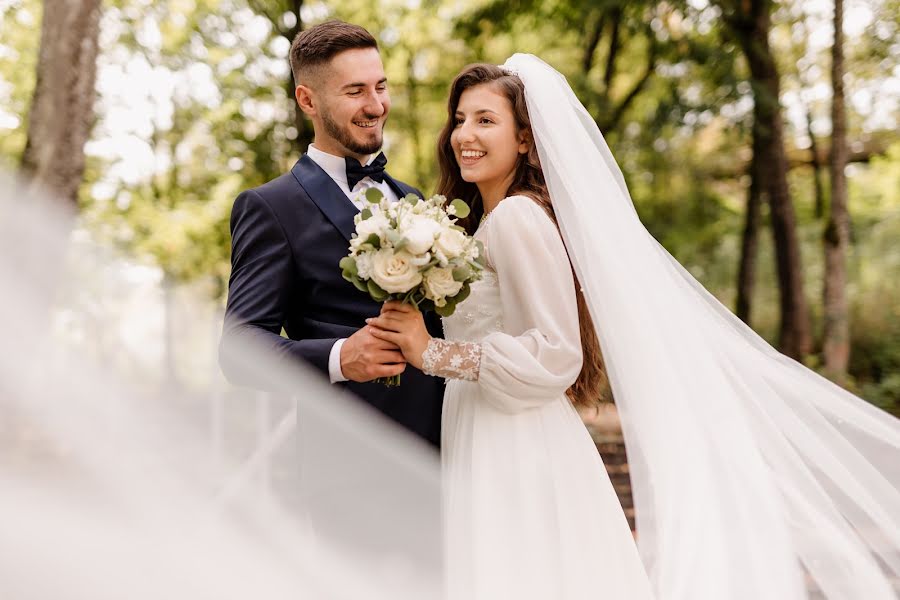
(486, 140)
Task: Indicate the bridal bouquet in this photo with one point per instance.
(413, 251)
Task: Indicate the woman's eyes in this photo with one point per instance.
(481, 121)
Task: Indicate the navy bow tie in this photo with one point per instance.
(356, 172)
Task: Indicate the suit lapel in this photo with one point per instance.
(330, 199)
(322, 190)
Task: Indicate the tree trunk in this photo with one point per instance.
(816, 167)
(795, 337)
(836, 341)
(750, 238)
(62, 108)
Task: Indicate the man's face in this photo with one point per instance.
(352, 104)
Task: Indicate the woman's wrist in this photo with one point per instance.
(417, 350)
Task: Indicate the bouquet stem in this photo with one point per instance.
(392, 381)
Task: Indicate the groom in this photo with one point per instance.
(289, 234)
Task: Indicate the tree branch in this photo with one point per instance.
(613, 49)
(797, 157)
(619, 110)
(587, 61)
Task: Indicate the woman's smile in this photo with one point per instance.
(470, 157)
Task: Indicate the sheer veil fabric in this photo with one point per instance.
(118, 480)
(751, 474)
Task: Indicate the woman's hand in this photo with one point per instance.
(402, 324)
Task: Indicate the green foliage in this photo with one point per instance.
(223, 127)
(378, 294)
(884, 393)
(664, 80)
(460, 208)
(374, 196)
(20, 35)
(875, 288)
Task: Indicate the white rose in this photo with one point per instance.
(451, 243)
(395, 272)
(439, 284)
(419, 233)
(377, 224)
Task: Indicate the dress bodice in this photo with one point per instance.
(482, 312)
(517, 333)
(479, 315)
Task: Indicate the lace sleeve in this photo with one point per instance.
(452, 360)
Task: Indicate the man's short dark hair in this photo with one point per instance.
(320, 43)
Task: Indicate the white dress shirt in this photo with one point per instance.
(336, 167)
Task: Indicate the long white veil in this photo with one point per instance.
(116, 483)
(753, 476)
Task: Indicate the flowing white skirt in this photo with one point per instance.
(529, 509)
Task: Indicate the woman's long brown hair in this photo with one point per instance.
(592, 386)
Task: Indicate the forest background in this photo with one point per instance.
(760, 149)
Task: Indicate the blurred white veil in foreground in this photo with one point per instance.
(117, 483)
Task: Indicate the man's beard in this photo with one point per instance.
(343, 136)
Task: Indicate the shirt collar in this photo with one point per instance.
(335, 166)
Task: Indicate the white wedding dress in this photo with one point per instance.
(529, 509)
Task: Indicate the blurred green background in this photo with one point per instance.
(193, 105)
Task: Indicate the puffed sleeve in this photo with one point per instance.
(538, 354)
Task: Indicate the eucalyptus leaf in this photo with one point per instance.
(462, 209)
(378, 294)
(462, 273)
(462, 294)
(374, 195)
(374, 241)
(365, 214)
(446, 310)
(348, 263)
(359, 284)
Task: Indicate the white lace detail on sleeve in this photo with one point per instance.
(452, 360)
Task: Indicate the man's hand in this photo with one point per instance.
(364, 357)
(402, 325)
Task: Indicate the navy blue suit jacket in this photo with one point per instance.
(288, 236)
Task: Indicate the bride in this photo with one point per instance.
(753, 477)
(530, 510)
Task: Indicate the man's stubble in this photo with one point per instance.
(343, 136)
